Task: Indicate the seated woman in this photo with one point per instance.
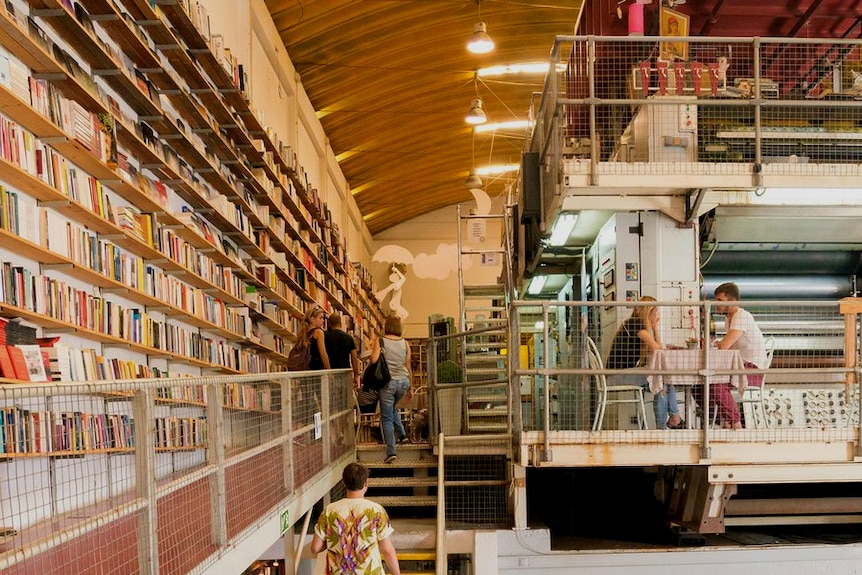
(634, 340)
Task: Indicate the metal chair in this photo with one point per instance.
(612, 393)
(365, 422)
(754, 395)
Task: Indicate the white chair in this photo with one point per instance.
(606, 394)
(754, 395)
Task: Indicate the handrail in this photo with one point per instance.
(581, 74)
(812, 368)
(440, 561)
(266, 400)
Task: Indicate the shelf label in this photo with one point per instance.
(318, 426)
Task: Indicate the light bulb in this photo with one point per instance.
(476, 115)
(480, 42)
(473, 181)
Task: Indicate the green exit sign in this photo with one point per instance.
(285, 521)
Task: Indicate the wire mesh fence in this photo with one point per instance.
(750, 108)
(99, 477)
(590, 367)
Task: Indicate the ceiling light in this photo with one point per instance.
(480, 42)
(562, 229)
(473, 181)
(513, 125)
(509, 69)
(536, 285)
(476, 115)
(497, 169)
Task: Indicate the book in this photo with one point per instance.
(34, 365)
(6, 367)
(19, 364)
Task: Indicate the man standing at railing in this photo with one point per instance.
(341, 348)
(355, 532)
(742, 334)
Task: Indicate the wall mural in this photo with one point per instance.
(436, 266)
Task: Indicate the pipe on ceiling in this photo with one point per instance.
(775, 287)
(784, 262)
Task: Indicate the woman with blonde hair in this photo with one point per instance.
(634, 340)
(312, 334)
(396, 350)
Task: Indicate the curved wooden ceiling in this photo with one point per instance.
(392, 79)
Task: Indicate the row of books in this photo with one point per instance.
(95, 199)
(56, 299)
(65, 363)
(85, 248)
(323, 227)
(94, 122)
(14, 331)
(29, 431)
(180, 432)
(255, 397)
(97, 207)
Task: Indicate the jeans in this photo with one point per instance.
(390, 419)
(663, 404)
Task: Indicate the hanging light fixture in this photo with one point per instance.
(473, 181)
(480, 42)
(476, 115)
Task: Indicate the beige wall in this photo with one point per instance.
(422, 297)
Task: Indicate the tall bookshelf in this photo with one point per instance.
(154, 224)
(157, 191)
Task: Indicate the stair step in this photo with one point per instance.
(401, 462)
(487, 397)
(417, 555)
(479, 363)
(496, 411)
(405, 500)
(413, 447)
(469, 251)
(490, 370)
(487, 344)
(402, 481)
(492, 386)
(482, 216)
(486, 426)
(487, 290)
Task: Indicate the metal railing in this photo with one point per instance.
(164, 475)
(811, 388)
(754, 111)
(448, 407)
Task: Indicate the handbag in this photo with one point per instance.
(376, 374)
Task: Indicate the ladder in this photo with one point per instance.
(484, 246)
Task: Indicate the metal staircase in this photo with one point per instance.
(484, 247)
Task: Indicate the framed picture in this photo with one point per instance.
(673, 23)
(608, 278)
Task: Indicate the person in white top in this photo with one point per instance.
(743, 335)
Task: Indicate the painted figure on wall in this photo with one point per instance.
(393, 290)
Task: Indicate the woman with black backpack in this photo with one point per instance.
(396, 350)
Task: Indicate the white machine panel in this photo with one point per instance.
(648, 253)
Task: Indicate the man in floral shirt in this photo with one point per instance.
(355, 531)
